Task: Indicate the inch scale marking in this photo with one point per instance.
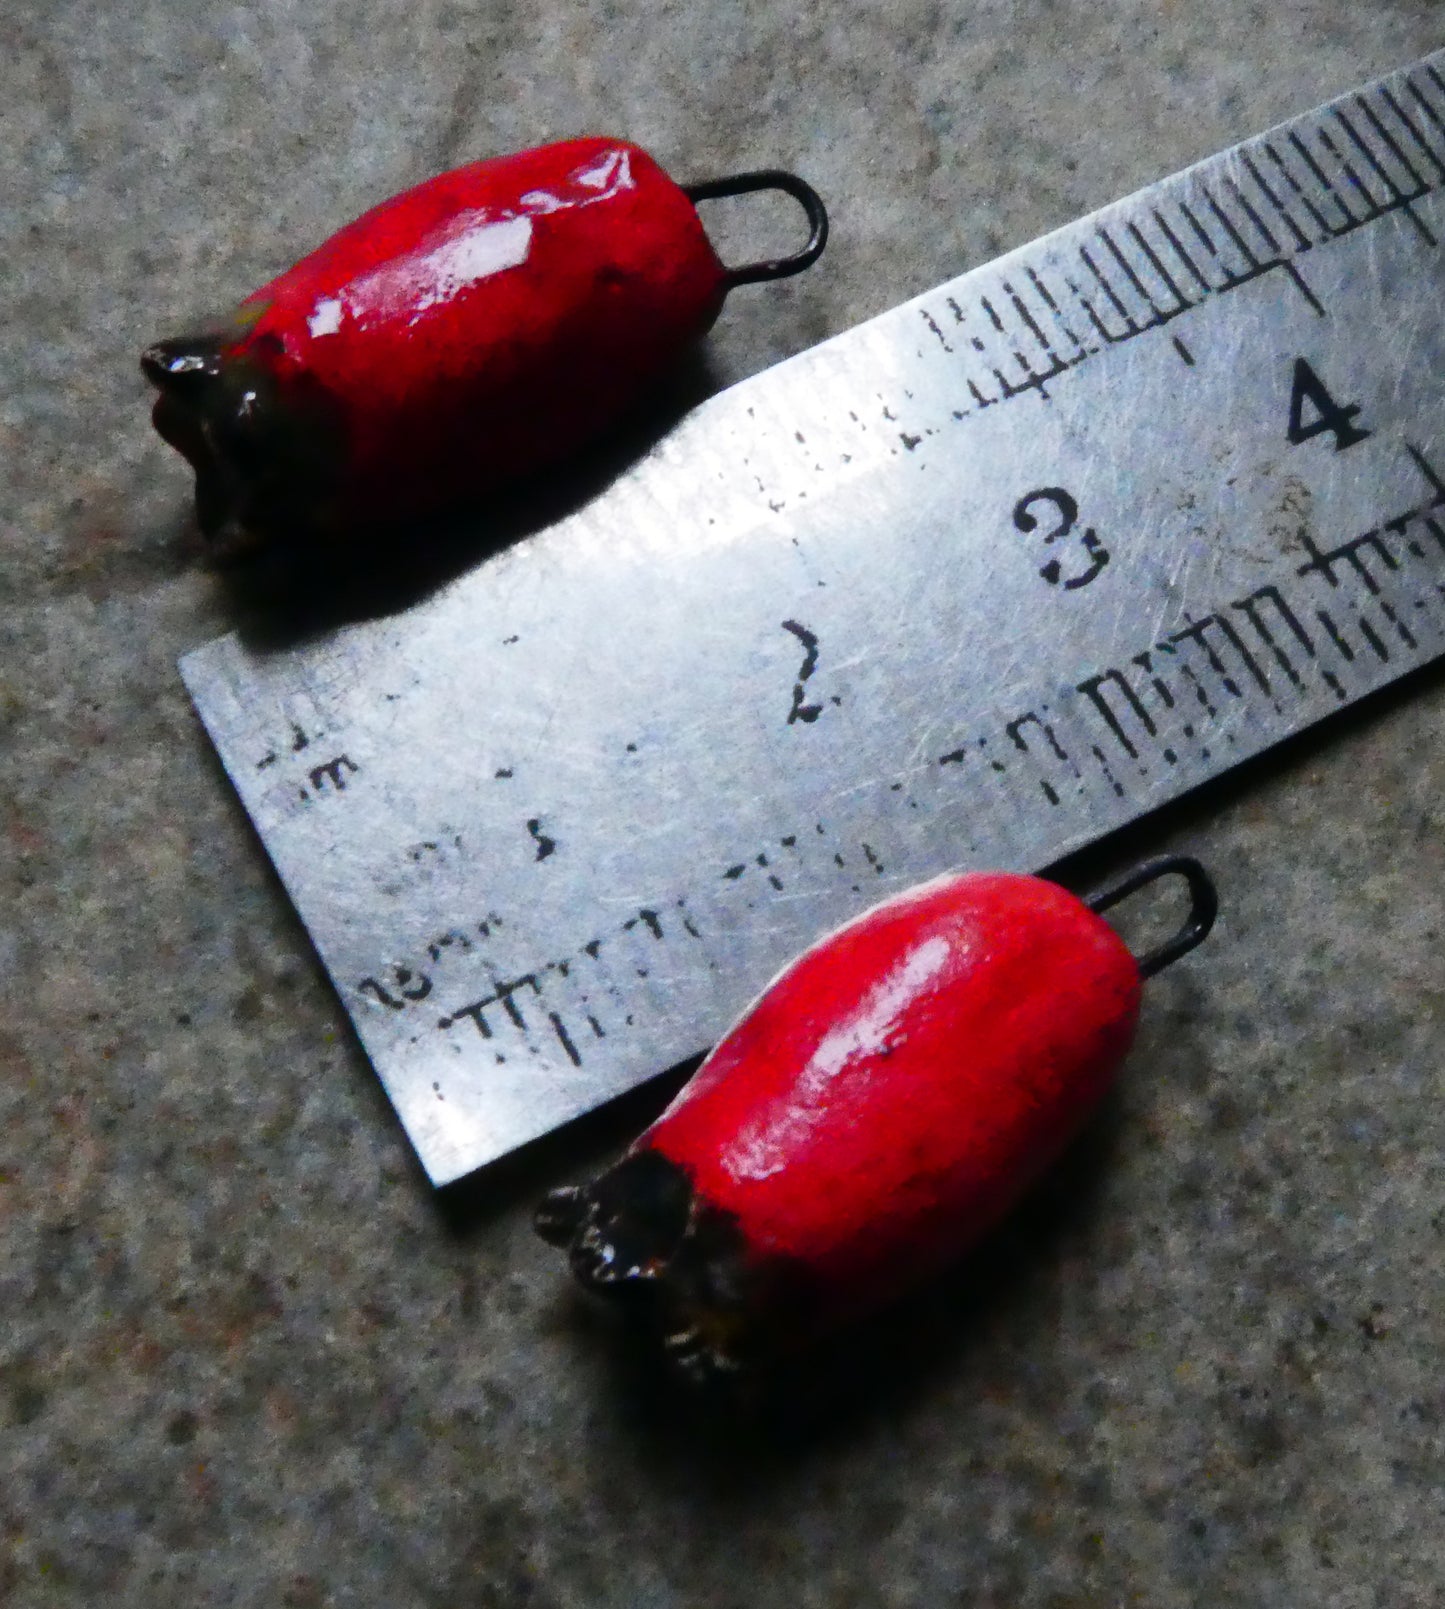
(972, 584)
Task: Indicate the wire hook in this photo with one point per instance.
(1203, 907)
(770, 179)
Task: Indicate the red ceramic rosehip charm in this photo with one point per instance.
(881, 1105)
(465, 333)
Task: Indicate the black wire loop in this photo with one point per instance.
(1203, 907)
(739, 184)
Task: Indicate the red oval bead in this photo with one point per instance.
(892, 1093)
(878, 1108)
(478, 327)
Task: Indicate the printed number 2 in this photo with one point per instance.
(1068, 515)
(1329, 417)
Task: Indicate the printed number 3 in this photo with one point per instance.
(1067, 512)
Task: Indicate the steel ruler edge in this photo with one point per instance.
(972, 584)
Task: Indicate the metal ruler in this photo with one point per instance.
(969, 585)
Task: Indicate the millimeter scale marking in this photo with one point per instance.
(970, 585)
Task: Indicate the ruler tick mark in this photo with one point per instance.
(1198, 229)
(1402, 630)
(1021, 308)
(1354, 135)
(1356, 182)
(1367, 111)
(1109, 291)
(1299, 282)
(929, 320)
(1183, 302)
(1230, 229)
(1421, 227)
(1129, 273)
(1334, 636)
(1250, 212)
(1109, 776)
(1302, 240)
(1351, 221)
(1423, 464)
(1049, 301)
(1368, 632)
(1412, 130)
(1181, 253)
(1326, 232)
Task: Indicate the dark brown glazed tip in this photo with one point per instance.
(625, 1226)
(640, 1233)
(263, 460)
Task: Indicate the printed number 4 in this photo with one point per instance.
(1330, 418)
(1307, 392)
(1067, 516)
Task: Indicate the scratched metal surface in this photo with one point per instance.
(969, 585)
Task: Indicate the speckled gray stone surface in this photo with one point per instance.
(246, 1357)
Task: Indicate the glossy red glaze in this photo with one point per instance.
(894, 1091)
(490, 320)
